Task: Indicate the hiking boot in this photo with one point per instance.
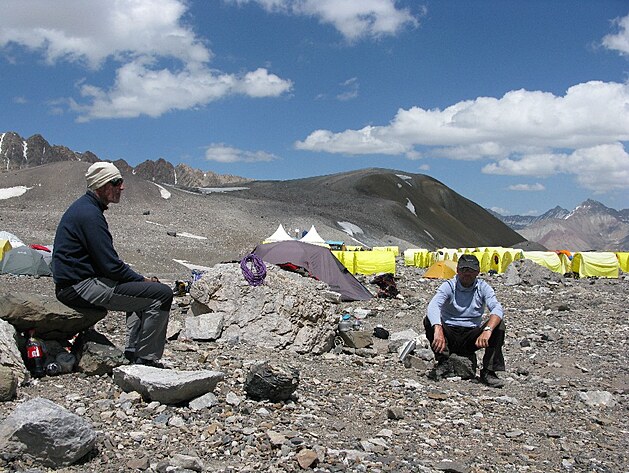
(490, 379)
(130, 355)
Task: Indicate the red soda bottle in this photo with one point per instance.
(35, 355)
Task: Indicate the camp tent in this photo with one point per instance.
(392, 248)
(501, 258)
(416, 257)
(623, 260)
(45, 251)
(373, 262)
(15, 241)
(444, 269)
(26, 261)
(319, 262)
(313, 237)
(598, 264)
(5, 246)
(279, 235)
(409, 256)
(547, 259)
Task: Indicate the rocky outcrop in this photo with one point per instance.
(19, 153)
(288, 311)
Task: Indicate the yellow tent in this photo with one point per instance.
(394, 249)
(548, 259)
(5, 246)
(484, 258)
(446, 254)
(346, 258)
(441, 270)
(416, 257)
(409, 256)
(503, 257)
(599, 264)
(372, 262)
(623, 260)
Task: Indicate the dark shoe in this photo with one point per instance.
(147, 362)
(130, 355)
(490, 379)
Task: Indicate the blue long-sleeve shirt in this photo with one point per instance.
(454, 304)
(83, 246)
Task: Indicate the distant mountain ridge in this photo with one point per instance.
(590, 226)
(19, 153)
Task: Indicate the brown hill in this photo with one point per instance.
(383, 207)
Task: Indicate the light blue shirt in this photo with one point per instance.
(454, 304)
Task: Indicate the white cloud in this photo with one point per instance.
(619, 41)
(526, 133)
(500, 210)
(351, 87)
(226, 154)
(354, 19)
(93, 31)
(527, 187)
(139, 35)
(599, 168)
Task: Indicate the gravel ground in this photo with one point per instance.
(566, 342)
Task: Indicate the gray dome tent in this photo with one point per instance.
(24, 260)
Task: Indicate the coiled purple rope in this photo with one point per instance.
(253, 269)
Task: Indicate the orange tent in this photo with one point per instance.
(445, 269)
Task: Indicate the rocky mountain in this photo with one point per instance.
(590, 226)
(19, 153)
(518, 222)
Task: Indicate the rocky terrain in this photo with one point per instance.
(564, 406)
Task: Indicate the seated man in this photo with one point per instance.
(88, 271)
(454, 322)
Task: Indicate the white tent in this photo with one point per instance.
(279, 235)
(312, 237)
(15, 241)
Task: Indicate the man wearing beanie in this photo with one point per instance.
(454, 324)
(88, 272)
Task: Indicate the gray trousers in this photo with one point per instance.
(147, 305)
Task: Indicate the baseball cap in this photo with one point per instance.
(468, 261)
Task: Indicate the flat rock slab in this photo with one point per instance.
(51, 319)
(166, 386)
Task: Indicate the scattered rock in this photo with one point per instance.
(275, 382)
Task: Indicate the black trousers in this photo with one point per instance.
(462, 341)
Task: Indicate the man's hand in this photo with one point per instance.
(151, 279)
(439, 340)
(483, 339)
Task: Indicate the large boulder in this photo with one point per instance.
(46, 432)
(288, 311)
(50, 318)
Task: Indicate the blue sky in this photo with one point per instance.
(518, 106)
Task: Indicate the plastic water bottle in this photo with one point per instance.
(35, 355)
